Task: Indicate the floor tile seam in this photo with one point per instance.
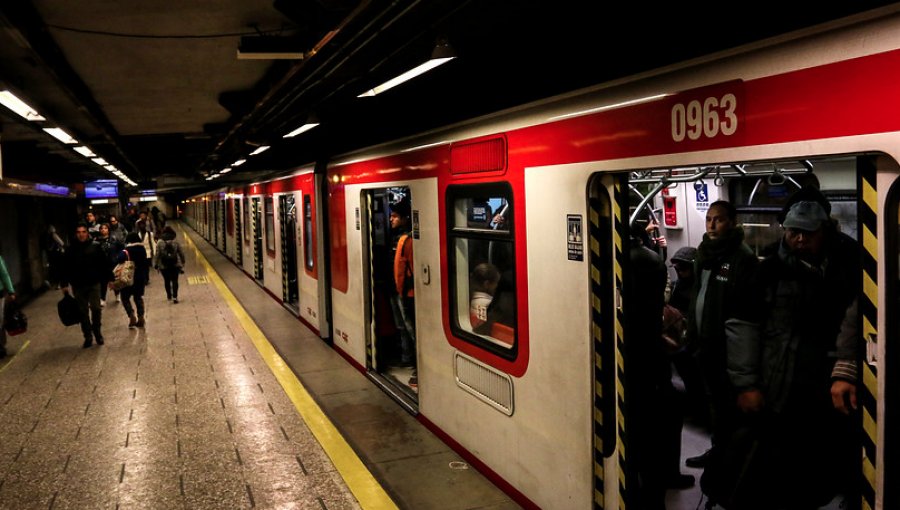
(356, 475)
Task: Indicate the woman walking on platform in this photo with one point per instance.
(169, 260)
(135, 251)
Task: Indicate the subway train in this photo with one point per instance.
(546, 194)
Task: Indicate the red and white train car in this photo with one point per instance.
(545, 194)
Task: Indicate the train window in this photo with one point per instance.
(270, 224)
(482, 266)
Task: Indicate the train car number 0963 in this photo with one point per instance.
(709, 118)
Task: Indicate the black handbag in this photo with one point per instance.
(16, 323)
(68, 310)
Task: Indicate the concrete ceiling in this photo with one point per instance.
(156, 88)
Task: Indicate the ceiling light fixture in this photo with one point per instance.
(84, 151)
(302, 129)
(225, 170)
(239, 162)
(9, 100)
(442, 54)
(100, 161)
(60, 135)
(260, 150)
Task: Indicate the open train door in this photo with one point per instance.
(390, 346)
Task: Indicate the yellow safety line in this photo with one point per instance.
(13, 357)
(359, 479)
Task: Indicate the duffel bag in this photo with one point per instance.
(68, 310)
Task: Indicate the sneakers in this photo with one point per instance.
(140, 322)
(175, 301)
(99, 339)
(132, 321)
(87, 342)
(699, 461)
(414, 380)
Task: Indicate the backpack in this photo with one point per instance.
(169, 255)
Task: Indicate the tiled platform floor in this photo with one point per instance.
(181, 414)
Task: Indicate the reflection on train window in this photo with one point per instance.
(270, 224)
(482, 266)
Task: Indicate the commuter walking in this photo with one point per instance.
(7, 292)
(111, 248)
(169, 260)
(135, 251)
(144, 230)
(85, 267)
(117, 230)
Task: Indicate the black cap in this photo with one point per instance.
(685, 254)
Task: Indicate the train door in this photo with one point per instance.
(288, 222)
(214, 223)
(605, 262)
(238, 232)
(800, 287)
(891, 387)
(223, 224)
(256, 217)
(390, 313)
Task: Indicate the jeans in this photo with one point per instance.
(405, 320)
(88, 298)
(170, 277)
(137, 292)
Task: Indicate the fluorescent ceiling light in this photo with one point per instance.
(260, 150)
(9, 100)
(99, 161)
(84, 151)
(225, 170)
(302, 129)
(60, 135)
(239, 162)
(408, 75)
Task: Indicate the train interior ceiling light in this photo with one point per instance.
(442, 54)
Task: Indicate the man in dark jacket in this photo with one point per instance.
(723, 327)
(808, 363)
(85, 267)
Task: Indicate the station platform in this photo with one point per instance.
(224, 400)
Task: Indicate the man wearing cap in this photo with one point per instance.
(810, 285)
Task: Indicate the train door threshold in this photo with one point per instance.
(397, 393)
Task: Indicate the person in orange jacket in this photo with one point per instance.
(403, 295)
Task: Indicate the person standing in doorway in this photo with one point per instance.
(403, 295)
